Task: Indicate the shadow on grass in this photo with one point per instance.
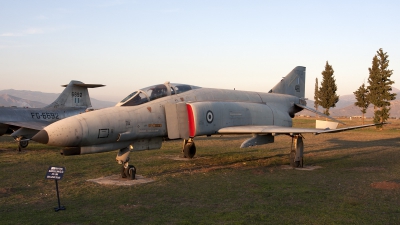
(218, 166)
(340, 145)
(365, 147)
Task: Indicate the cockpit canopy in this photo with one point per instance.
(154, 92)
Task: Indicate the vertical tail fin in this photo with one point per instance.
(293, 83)
(75, 94)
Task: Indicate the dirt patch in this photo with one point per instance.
(386, 185)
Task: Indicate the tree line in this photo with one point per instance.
(377, 92)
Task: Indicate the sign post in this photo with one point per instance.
(56, 173)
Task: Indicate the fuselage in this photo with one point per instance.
(148, 120)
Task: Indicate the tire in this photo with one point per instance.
(298, 164)
(301, 163)
(23, 144)
(292, 156)
(189, 150)
(131, 172)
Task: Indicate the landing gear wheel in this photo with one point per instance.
(131, 172)
(23, 144)
(189, 150)
(299, 163)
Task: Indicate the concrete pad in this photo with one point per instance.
(308, 168)
(118, 181)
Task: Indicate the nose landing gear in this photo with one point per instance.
(127, 171)
(22, 142)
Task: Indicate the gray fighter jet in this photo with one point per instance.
(24, 123)
(178, 111)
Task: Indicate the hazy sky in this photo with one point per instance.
(247, 45)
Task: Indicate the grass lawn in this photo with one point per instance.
(358, 182)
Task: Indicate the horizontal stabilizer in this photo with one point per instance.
(319, 113)
(75, 95)
(86, 85)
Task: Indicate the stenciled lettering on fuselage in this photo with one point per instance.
(45, 116)
(155, 125)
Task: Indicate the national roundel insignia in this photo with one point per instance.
(209, 116)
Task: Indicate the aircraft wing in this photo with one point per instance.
(274, 130)
(34, 125)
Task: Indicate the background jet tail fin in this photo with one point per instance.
(75, 95)
(293, 83)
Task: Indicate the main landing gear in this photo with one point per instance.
(22, 143)
(127, 171)
(296, 153)
(295, 156)
(189, 148)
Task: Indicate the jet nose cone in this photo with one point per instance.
(41, 137)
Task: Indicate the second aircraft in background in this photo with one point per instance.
(24, 123)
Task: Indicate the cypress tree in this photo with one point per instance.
(362, 100)
(327, 92)
(316, 103)
(380, 86)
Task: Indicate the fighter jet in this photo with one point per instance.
(24, 123)
(178, 111)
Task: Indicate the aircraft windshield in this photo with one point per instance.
(138, 99)
(154, 92)
(128, 97)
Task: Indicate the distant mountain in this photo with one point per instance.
(39, 99)
(9, 100)
(345, 107)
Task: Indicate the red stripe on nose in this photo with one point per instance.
(192, 127)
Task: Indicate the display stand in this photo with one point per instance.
(56, 173)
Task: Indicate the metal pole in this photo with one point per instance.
(58, 196)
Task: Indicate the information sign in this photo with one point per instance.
(55, 173)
